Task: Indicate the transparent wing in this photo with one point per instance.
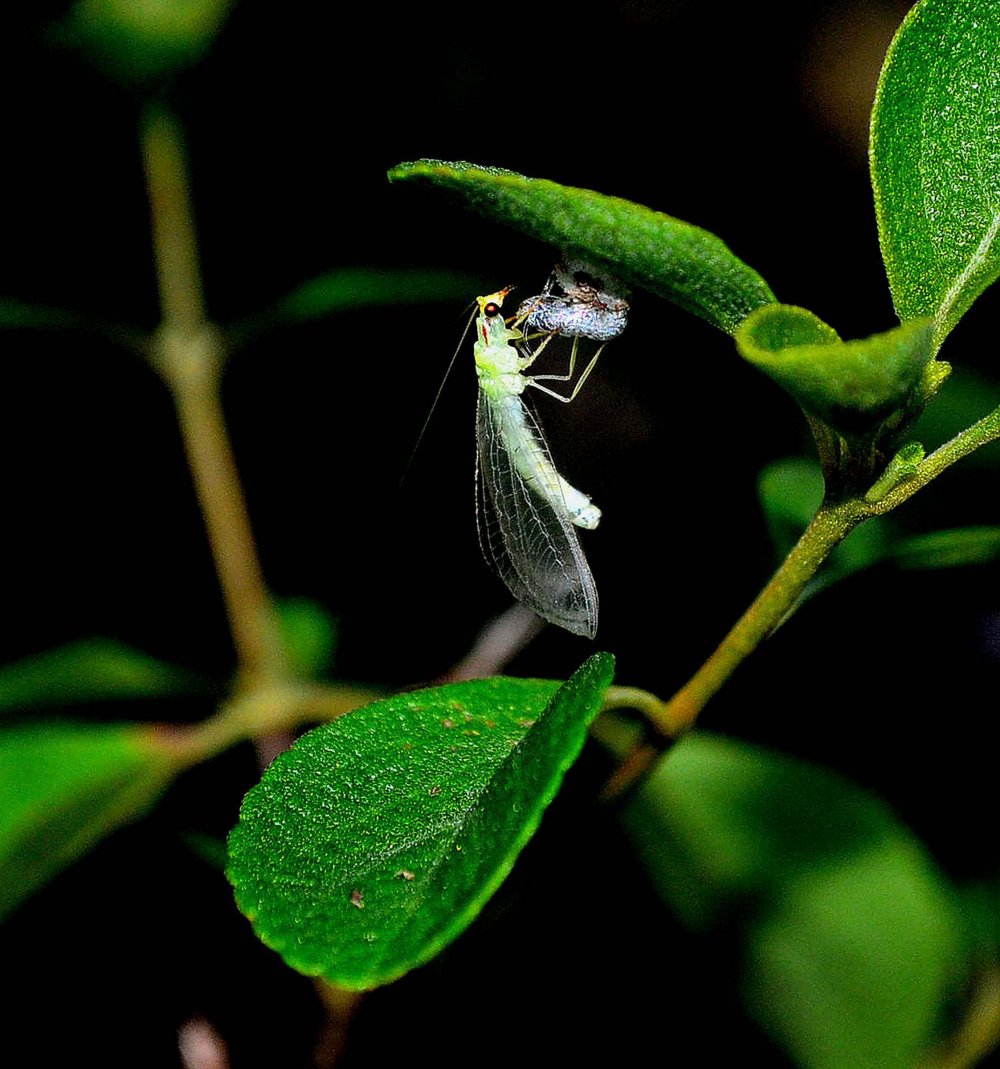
(531, 544)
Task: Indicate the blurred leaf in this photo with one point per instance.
(854, 966)
(678, 261)
(63, 788)
(309, 636)
(349, 289)
(789, 491)
(18, 314)
(851, 386)
(210, 848)
(851, 936)
(138, 41)
(93, 670)
(965, 398)
(377, 839)
(948, 549)
(935, 159)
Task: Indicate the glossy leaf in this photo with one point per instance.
(852, 938)
(63, 787)
(935, 159)
(644, 248)
(852, 386)
(376, 839)
(93, 670)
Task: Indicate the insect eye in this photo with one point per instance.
(492, 309)
(582, 278)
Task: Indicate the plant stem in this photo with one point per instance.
(265, 710)
(188, 353)
(968, 441)
(830, 525)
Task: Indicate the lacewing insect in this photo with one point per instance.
(528, 514)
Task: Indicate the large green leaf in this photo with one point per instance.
(63, 787)
(852, 938)
(852, 386)
(377, 839)
(92, 670)
(678, 261)
(935, 159)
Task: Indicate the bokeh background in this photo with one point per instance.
(749, 120)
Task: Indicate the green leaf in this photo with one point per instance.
(349, 289)
(376, 839)
(854, 967)
(678, 261)
(953, 548)
(852, 938)
(852, 386)
(965, 398)
(93, 670)
(309, 636)
(935, 159)
(64, 787)
(789, 491)
(137, 41)
(19, 315)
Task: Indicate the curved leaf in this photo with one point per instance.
(852, 938)
(63, 787)
(678, 261)
(935, 159)
(375, 840)
(851, 386)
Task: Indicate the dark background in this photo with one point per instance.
(750, 123)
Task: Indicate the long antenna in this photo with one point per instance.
(437, 396)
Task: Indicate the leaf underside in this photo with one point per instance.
(676, 260)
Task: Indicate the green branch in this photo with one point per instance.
(188, 353)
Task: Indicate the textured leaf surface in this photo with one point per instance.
(93, 670)
(63, 787)
(678, 261)
(850, 385)
(935, 159)
(376, 839)
(851, 936)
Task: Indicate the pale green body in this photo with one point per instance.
(529, 510)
